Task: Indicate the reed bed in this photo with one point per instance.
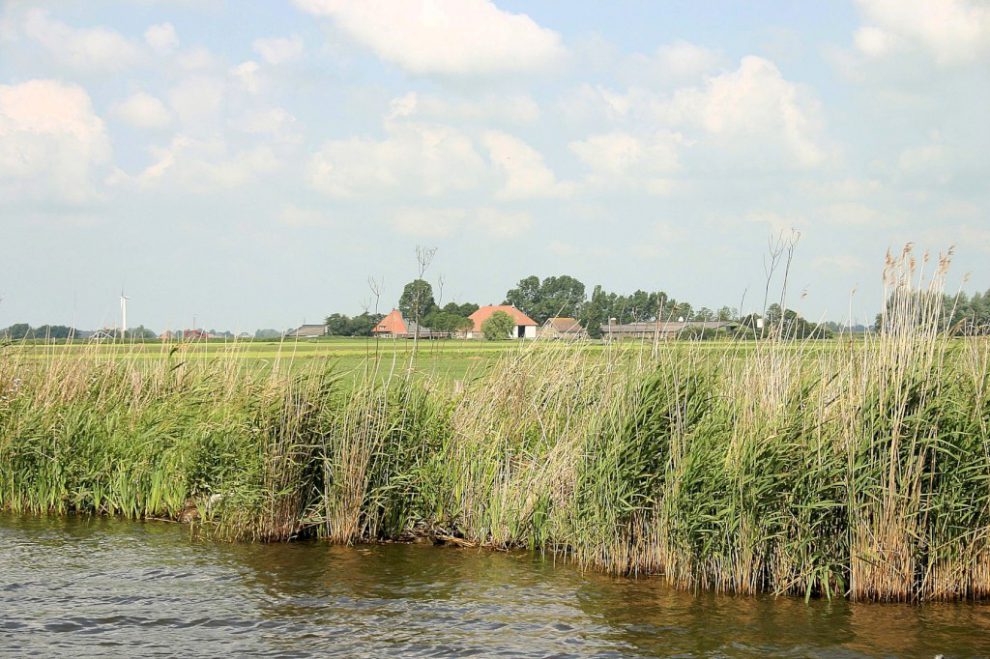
(861, 471)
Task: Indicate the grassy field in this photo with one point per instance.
(451, 360)
(446, 359)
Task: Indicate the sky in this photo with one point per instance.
(263, 164)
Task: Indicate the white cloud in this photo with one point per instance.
(978, 237)
(246, 73)
(511, 108)
(446, 37)
(143, 111)
(873, 41)
(277, 50)
(683, 60)
(621, 160)
(276, 123)
(198, 58)
(750, 114)
(162, 38)
(525, 174)
(297, 217)
(754, 107)
(423, 159)
(777, 223)
(50, 141)
(87, 49)
(445, 222)
(428, 223)
(951, 31)
(844, 263)
(196, 100)
(926, 159)
(503, 224)
(202, 165)
(668, 232)
(859, 215)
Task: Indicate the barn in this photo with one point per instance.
(525, 327)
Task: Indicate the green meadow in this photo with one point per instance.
(447, 359)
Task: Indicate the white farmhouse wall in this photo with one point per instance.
(530, 331)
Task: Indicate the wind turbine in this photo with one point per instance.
(123, 314)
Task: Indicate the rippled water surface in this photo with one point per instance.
(97, 587)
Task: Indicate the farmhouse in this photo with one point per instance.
(661, 329)
(394, 326)
(563, 328)
(525, 327)
(307, 332)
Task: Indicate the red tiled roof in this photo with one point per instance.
(391, 324)
(484, 313)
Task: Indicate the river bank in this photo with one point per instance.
(857, 472)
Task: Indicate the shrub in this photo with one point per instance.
(498, 327)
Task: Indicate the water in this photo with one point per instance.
(98, 587)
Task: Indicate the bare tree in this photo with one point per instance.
(424, 257)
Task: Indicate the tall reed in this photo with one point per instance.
(856, 468)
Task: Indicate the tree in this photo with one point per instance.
(464, 310)
(774, 314)
(498, 327)
(141, 332)
(445, 321)
(338, 325)
(17, 331)
(363, 324)
(554, 296)
(525, 296)
(595, 312)
(417, 300)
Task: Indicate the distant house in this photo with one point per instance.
(168, 335)
(525, 327)
(394, 326)
(307, 332)
(563, 328)
(194, 335)
(103, 335)
(661, 329)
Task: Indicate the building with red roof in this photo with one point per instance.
(394, 326)
(525, 327)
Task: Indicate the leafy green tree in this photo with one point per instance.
(445, 321)
(61, 332)
(464, 310)
(774, 314)
(498, 327)
(338, 325)
(595, 312)
(525, 296)
(417, 300)
(704, 314)
(141, 332)
(17, 331)
(363, 323)
(554, 296)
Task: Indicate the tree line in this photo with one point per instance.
(564, 295)
(24, 331)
